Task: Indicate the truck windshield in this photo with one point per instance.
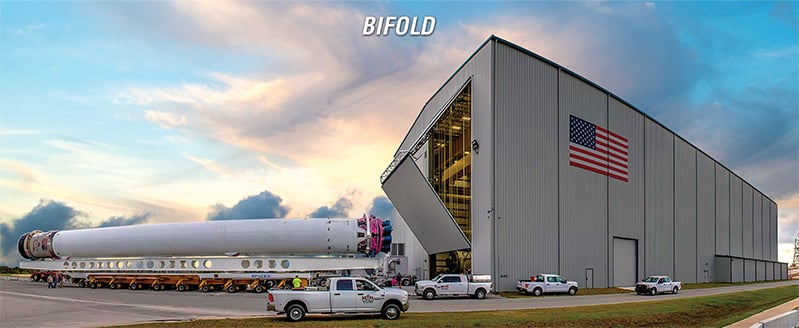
(651, 279)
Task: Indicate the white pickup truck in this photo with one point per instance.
(547, 283)
(346, 295)
(654, 285)
(476, 286)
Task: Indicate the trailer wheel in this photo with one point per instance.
(82, 284)
(182, 288)
(259, 289)
(480, 294)
(206, 289)
(429, 294)
(134, 286)
(538, 292)
(270, 284)
(295, 312)
(391, 311)
(112, 286)
(36, 277)
(231, 289)
(93, 285)
(157, 287)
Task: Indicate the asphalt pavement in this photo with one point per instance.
(25, 303)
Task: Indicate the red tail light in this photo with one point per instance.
(271, 298)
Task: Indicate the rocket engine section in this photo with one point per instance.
(367, 235)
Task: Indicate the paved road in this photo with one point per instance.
(24, 303)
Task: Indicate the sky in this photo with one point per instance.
(115, 113)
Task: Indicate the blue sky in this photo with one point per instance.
(130, 112)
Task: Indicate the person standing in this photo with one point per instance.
(49, 281)
(297, 282)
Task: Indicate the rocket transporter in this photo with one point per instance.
(231, 255)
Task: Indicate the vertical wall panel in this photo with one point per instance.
(760, 273)
(705, 217)
(769, 270)
(685, 232)
(757, 225)
(526, 130)
(747, 226)
(749, 270)
(583, 194)
(722, 210)
(764, 213)
(659, 203)
(736, 221)
(774, 242)
(626, 199)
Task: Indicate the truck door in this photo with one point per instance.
(370, 297)
(343, 298)
(451, 285)
(553, 285)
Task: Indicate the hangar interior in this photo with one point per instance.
(496, 176)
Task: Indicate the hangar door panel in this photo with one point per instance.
(422, 209)
(624, 262)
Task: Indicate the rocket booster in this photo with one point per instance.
(367, 235)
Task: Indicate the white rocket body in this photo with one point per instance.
(207, 238)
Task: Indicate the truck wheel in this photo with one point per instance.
(182, 288)
(231, 289)
(429, 294)
(295, 312)
(36, 277)
(480, 294)
(259, 289)
(653, 291)
(675, 290)
(206, 289)
(538, 292)
(572, 290)
(391, 311)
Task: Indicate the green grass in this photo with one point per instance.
(716, 310)
(724, 284)
(589, 291)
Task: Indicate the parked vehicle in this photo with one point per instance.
(547, 283)
(345, 295)
(654, 285)
(476, 286)
(42, 275)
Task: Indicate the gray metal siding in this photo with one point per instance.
(750, 266)
(757, 225)
(723, 269)
(748, 221)
(736, 220)
(737, 270)
(770, 270)
(685, 231)
(764, 213)
(479, 68)
(659, 203)
(722, 210)
(583, 194)
(626, 200)
(526, 130)
(705, 217)
(773, 222)
(760, 270)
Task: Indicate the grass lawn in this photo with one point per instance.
(589, 291)
(717, 310)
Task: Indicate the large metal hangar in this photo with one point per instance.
(518, 166)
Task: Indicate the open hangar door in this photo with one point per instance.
(625, 262)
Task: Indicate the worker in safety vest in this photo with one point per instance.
(297, 282)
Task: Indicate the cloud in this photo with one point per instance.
(382, 207)
(165, 119)
(261, 206)
(116, 221)
(341, 209)
(47, 215)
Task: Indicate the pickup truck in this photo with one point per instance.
(654, 285)
(345, 295)
(547, 283)
(476, 286)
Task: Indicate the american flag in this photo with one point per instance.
(597, 149)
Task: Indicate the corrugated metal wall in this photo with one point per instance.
(583, 194)
(685, 231)
(705, 217)
(659, 204)
(736, 220)
(773, 235)
(750, 266)
(526, 132)
(626, 200)
(722, 210)
(748, 221)
(757, 225)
